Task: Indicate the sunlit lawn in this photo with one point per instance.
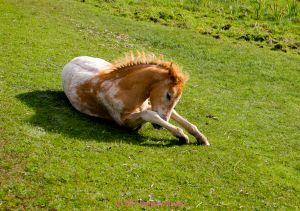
(53, 157)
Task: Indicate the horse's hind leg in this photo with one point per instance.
(150, 116)
(192, 129)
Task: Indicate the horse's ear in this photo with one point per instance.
(176, 75)
(172, 73)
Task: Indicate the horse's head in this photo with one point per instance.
(166, 93)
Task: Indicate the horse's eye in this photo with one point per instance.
(168, 96)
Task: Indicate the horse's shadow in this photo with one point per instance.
(54, 113)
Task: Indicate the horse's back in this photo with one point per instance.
(90, 64)
(85, 65)
(81, 69)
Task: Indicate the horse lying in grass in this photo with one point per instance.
(130, 91)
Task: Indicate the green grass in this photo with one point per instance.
(53, 157)
(271, 24)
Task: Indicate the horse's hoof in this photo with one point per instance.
(182, 140)
(203, 142)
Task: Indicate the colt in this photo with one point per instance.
(131, 91)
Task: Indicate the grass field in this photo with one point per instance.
(52, 157)
(274, 25)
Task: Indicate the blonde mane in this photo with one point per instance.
(132, 62)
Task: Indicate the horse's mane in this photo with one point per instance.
(132, 62)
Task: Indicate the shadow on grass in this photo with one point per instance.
(54, 113)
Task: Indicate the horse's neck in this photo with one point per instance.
(141, 81)
(135, 87)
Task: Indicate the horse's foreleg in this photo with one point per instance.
(192, 129)
(135, 119)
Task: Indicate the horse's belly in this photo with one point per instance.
(76, 75)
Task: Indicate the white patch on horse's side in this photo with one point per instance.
(113, 93)
(108, 96)
(81, 69)
(77, 72)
